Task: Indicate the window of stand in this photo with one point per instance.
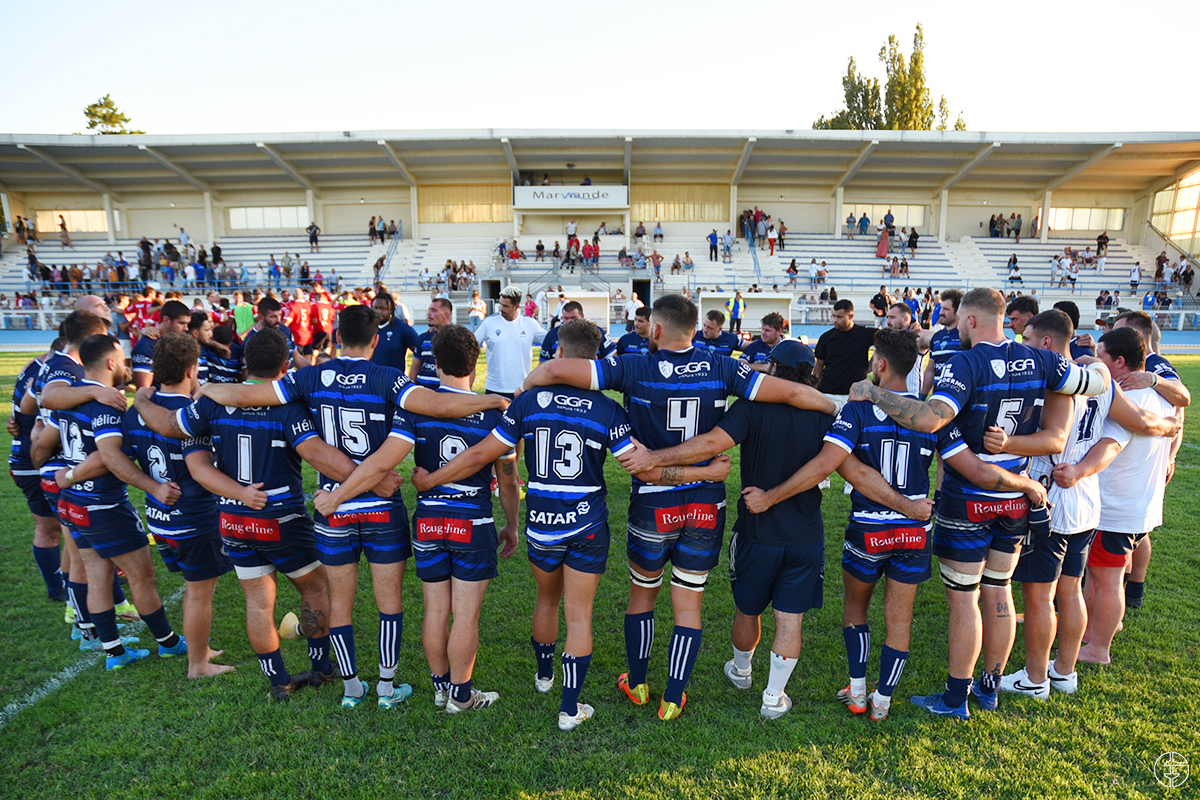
(1087, 219)
(906, 216)
(268, 217)
(89, 220)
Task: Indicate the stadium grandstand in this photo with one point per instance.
(460, 196)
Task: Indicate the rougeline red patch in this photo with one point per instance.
(690, 515)
(894, 539)
(984, 510)
(251, 529)
(436, 529)
(351, 517)
(74, 514)
(50, 485)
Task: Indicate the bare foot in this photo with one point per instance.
(213, 654)
(1090, 656)
(207, 671)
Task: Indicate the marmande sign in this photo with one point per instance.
(551, 197)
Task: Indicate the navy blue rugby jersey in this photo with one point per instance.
(58, 367)
(675, 395)
(80, 428)
(18, 459)
(287, 334)
(142, 356)
(902, 456)
(550, 345)
(352, 401)
(633, 345)
(255, 445)
(427, 376)
(1160, 367)
(215, 368)
(723, 345)
(438, 441)
(1004, 385)
(162, 458)
(758, 352)
(566, 432)
(943, 345)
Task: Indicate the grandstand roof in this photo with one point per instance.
(855, 159)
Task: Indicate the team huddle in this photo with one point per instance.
(1048, 468)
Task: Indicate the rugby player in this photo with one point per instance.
(187, 532)
(713, 338)
(423, 371)
(268, 443)
(222, 367)
(270, 317)
(993, 383)
(679, 391)
(899, 318)
(1131, 491)
(300, 322)
(635, 342)
(95, 503)
(396, 337)
(456, 538)
(1051, 564)
(56, 387)
(571, 311)
(758, 352)
(174, 317)
(47, 533)
(1162, 377)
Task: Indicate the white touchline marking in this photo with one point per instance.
(68, 674)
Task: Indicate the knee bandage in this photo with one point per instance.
(993, 578)
(958, 581)
(692, 581)
(643, 581)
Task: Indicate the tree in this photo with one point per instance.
(862, 111)
(104, 117)
(905, 103)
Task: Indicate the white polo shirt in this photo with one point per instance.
(1132, 486)
(509, 350)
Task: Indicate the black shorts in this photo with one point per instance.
(198, 558)
(305, 349)
(35, 498)
(312, 239)
(1047, 555)
(791, 579)
(320, 341)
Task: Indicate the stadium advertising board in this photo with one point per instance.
(554, 197)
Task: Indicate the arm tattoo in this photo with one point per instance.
(908, 410)
(174, 429)
(671, 476)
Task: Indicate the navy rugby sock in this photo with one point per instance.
(574, 669)
(891, 667)
(685, 647)
(49, 563)
(545, 658)
(639, 640)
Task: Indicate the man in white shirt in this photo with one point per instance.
(1131, 491)
(509, 338)
(631, 307)
(571, 228)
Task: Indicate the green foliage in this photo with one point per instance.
(905, 103)
(146, 732)
(104, 117)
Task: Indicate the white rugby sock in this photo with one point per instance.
(781, 671)
(742, 659)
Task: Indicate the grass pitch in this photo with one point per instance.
(70, 729)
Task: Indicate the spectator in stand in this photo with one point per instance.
(792, 272)
(657, 260)
(631, 307)
(372, 232)
(904, 267)
(1014, 271)
(760, 231)
(677, 265)
(782, 229)
(541, 251)
(380, 230)
(639, 233)
(477, 311)
(882, 240)
(727, 242)
(688, 264)
(851, 224)
(531, 308)
(658, 232)
(712, 245)
(913, 236)
(772, 239)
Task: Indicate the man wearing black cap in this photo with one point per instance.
(776, 558)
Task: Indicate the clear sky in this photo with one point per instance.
(254, 67)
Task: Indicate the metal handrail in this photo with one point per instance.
(391, 251)
(1166, 238)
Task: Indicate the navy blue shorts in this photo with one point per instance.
(258, 546)
(1075, 561)
(198, 557)
(111, 532)
(52, 491)
(382, 533)
(1045, 551)
(903, 553)
(586, 551)
(790, 578)
(967, 529)
(675, 527)
(35, 498)
(445, 548)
